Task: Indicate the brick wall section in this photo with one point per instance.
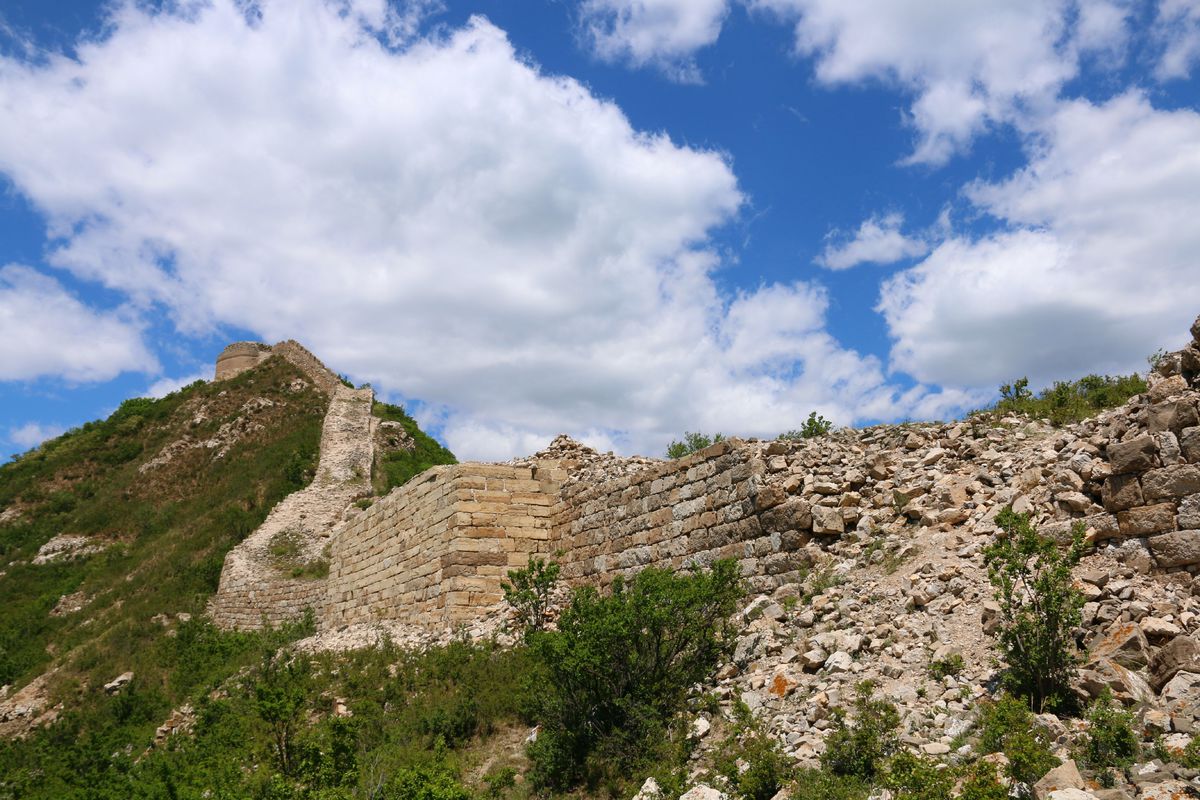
(435, 550)
(709, 505)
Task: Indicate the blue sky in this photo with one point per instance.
(620, 219)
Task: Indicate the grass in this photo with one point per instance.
(397, 467)
(1069, 401)
(286, 550)
(167, 530)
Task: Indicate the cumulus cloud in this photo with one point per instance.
(664, 33)
(47, 331)
(877, 241)
(442, 219)
(31, 434)
(970, 64)
(1093, 269)
(1177, 26)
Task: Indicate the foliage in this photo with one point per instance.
(395, 468)
(821, 784)
(424, 783)
(620, 667)
(981, 783)
(280, 692)
(1007, 726)
(1111, 741)
(911, 777)
(1039, 609)
(859, 749)
(528, 592)
(1069, 401)
(165, 531)
(751, 760)
(691, 443)
(1190, 757)
(816, 425)
(950, 665)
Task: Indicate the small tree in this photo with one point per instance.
(859, 750)
(620, 667)
(1039, 608)
(280, 697)
(816, 425)
(691, 443)
(1111, 741)
(529, 592)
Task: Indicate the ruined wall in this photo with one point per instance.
(712, 504)
(241, 356)
(434, 550)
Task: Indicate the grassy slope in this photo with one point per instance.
(166, 531)
(397, 467)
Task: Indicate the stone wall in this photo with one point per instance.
(712, 504)
(241, 356)
(435, 550)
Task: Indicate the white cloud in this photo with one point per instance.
(1096, 266)
(46, 331)
(664, 33)
(31, 434)
(443, 220)
(1177, 27)
(164, 386)
(971, 63)
(877, 241)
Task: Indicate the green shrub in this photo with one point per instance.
(528, 592)
(1007, 726)
(911, 777)
(691, 443)
(820, 784)
(859, 749)
(620, 667)
(396, 467)
(981, 783)
(1039, 609)
(816, 425)
(1069, 401)
(751, 760)
(281, 696)
(424, 783)
(950, 665)
(1111, 741)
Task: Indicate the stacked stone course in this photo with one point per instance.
(435, 550)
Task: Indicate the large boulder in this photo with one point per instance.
(1158, 518)
(1171, 483)
(1104, 675)
(1179, 654)
(1176, 549)
(1136, 455)
(1124, 643)
(1064, 776)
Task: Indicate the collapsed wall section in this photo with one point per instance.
(710, 505)
(435, 550)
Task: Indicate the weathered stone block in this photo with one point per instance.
(1171, 482)
(1189, 444)
(1136, 455)
(1172, 415)
(1122, 492)
(1176, 549)
(1147, 520)
(1189, 512)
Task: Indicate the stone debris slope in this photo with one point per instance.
(253, 587)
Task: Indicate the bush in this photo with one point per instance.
(950, 665)
(1039, 609)
(911, 777)
(1069, 401)
(1111, 741)
(620, 667)
(980, 783)
(816, 425)
(424, 783)
(858, 750)
(1007, 726)
(691, 443)
(528, 592)
(752, 760)
(819, 784)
